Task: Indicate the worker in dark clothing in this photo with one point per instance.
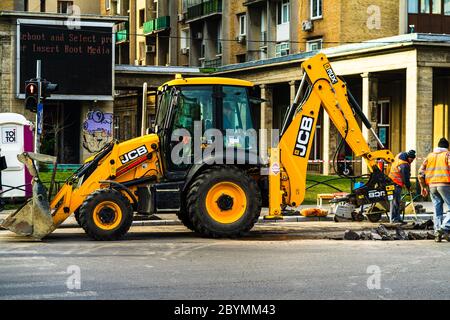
(400, 174)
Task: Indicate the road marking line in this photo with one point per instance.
(68, 294)
(22, 258)
(18, 252)
(62, 283)
(27, 265)
(33, 274)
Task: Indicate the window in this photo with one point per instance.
(141, 17)
(241, 58)
(107, 4)
(203, 50)
(413, 6)
(314, 45)
(237, 118)
(283, 12)
(116, 127)
(126, 129)
(242, 24)
(42, 8)
(437, 6)
(447, 7)
(118, 7)
(142, 51)
(282, 49)
(65, 6)
(383, 122)
(185, 6)
(316, 9)
(425, 6)
(184, 39)
(219, 38)
(164, 101)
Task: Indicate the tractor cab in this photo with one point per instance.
(202, 120)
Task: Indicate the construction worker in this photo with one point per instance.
(435, 173)
(400, 174)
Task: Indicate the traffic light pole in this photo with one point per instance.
(39, 113)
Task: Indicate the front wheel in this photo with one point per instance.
(223, 202)
(106, 215)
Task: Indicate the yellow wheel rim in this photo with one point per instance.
(226, 202)
(107, 215)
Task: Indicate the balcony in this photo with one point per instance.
(206, 8)
(253, 2)
(156, 25)
(121, 36)
(213, 63)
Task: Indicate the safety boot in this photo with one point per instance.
(438, 235)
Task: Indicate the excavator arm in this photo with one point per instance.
(289, 160)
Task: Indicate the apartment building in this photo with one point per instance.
(265, 41)
(51, 6)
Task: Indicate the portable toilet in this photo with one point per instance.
(16, 137)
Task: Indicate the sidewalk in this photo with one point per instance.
(172, 220)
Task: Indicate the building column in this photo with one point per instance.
(403, 20)
(369, 106)
(293, 91)
(419, 116)
(266, 120)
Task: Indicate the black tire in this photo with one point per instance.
(86, 215)
(202, 222)
(374, 217)
(77, 217)
(183, 216)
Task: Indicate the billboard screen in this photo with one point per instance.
(80, 60)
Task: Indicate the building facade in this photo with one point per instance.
(265, 41)
(398, 75)
(68, 128)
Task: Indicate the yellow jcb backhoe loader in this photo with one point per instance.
(218, 194)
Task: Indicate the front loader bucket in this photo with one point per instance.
(34, 218)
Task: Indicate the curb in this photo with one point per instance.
(261, 220)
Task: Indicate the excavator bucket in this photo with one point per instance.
(34, 218)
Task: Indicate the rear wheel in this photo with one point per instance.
(106, 215)
(223, 202)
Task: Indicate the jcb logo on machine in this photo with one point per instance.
(303, 137)
(331, 73)
(133, 154)
(376, 194)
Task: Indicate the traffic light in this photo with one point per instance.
(32, 95)
(48, 88)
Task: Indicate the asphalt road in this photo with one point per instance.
(171, 263)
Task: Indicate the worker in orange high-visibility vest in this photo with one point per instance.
(400, 174)
(435, 173)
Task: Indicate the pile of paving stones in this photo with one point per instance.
(399, 233)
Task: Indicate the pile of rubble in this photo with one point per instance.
(415, 231)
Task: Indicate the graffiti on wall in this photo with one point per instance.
(97, 130)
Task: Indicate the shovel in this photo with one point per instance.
(413, 205)
(34, 218)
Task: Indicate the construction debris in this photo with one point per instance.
(383, 233)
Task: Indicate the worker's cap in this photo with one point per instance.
(411, 154)
(443, 143)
